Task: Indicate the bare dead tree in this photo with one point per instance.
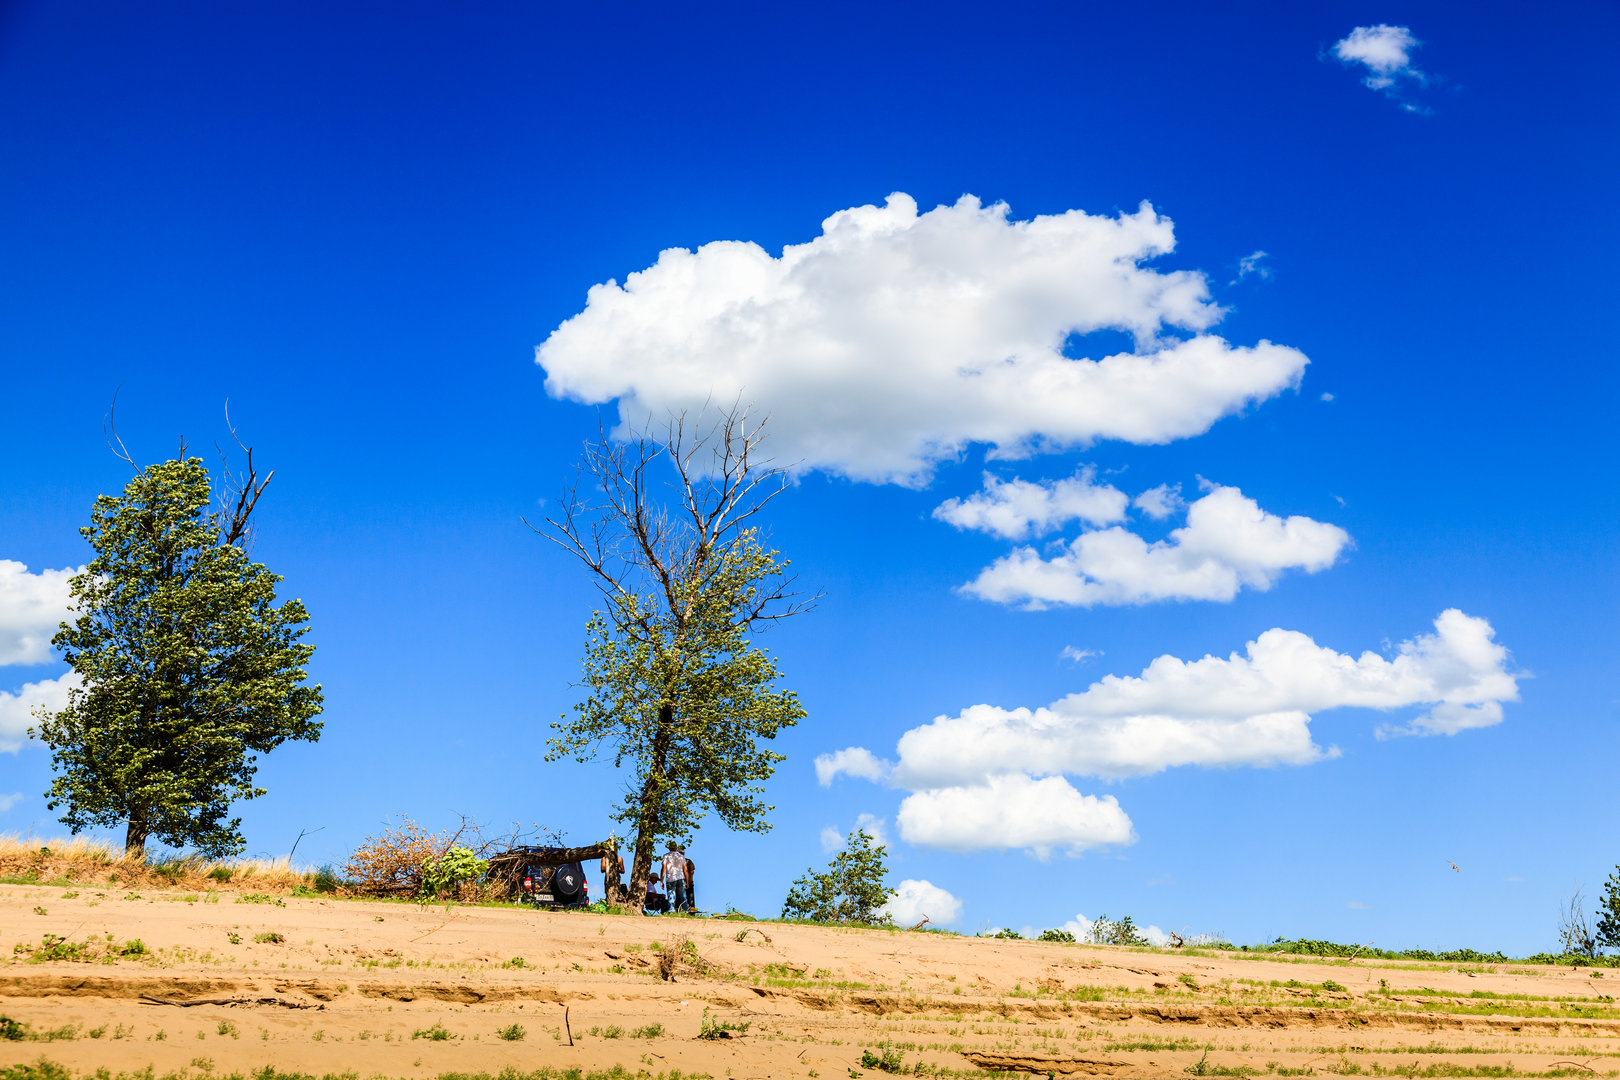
(1575, 935)
(657, 520)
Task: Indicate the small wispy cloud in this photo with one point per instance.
(1252, 265)
(1357, 905)
(8, 801)
(1513, 878)
(1078, 656)
(1385, 53)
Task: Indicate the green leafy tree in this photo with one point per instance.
(676, 686)
(187, 667)
(1608, 923)
(853, 889)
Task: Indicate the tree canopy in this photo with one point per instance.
(187, 667)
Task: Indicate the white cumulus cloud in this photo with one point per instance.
(1251, 708)
(1385, 53)
(914, 901)
(17, 708)
(1010, 811)
(1161, 502)
(896, 338)
(1017, 509)
(1228, 543)
(852, 761)
(831, 839)
(995, 778)
(31, 608)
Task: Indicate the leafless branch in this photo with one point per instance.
(238, 492)
(628, 540)
(109, 430)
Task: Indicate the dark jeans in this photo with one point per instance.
(677, 895)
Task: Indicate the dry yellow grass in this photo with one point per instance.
(85, 860)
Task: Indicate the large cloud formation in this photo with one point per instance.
(1228, 543)
(992, 777)
(896, 338)
(31, 608)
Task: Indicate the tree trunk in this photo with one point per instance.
(135, 835)
(647, 813)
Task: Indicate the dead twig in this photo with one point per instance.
(566, 1027)
(921, 924)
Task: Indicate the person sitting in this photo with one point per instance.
(656, 901)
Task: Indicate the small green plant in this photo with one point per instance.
(260, 898)
(1008, 934)
(228, 1028)
(1057, 935)
(40, 911)
(233, 937)
(887, 1060)
(512, 1033)
(651, 1031)
(269, 937)
(612, 1031)
(97, 1032)
(436, 1033)
(712, 1027)
(1329, 984)
(11, 1030)
(221, 874)
(70, 896)
(1187, 980)
(515, 962)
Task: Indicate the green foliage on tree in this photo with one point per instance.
(853, 888)
(188, 668)
(1608, 923)
(676, 686)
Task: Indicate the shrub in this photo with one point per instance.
(1106, 931)
(852, 890)
(715, 1028)
(514, 1033)
(888, 1060)
(1608, 924)
(391, 864)
(449, 871)
(1057, 935)
(1008, 934)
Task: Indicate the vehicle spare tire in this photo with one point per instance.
(568, 881)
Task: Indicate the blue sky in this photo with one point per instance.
(357, 225)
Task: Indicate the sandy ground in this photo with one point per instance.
(363, 987)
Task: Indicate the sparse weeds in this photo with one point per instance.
(712, 1027)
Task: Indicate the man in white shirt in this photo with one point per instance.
(675, 877)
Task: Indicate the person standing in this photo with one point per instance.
(613, 878)
(691, 890)
(675, 877)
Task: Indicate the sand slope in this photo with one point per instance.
(361, 986)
